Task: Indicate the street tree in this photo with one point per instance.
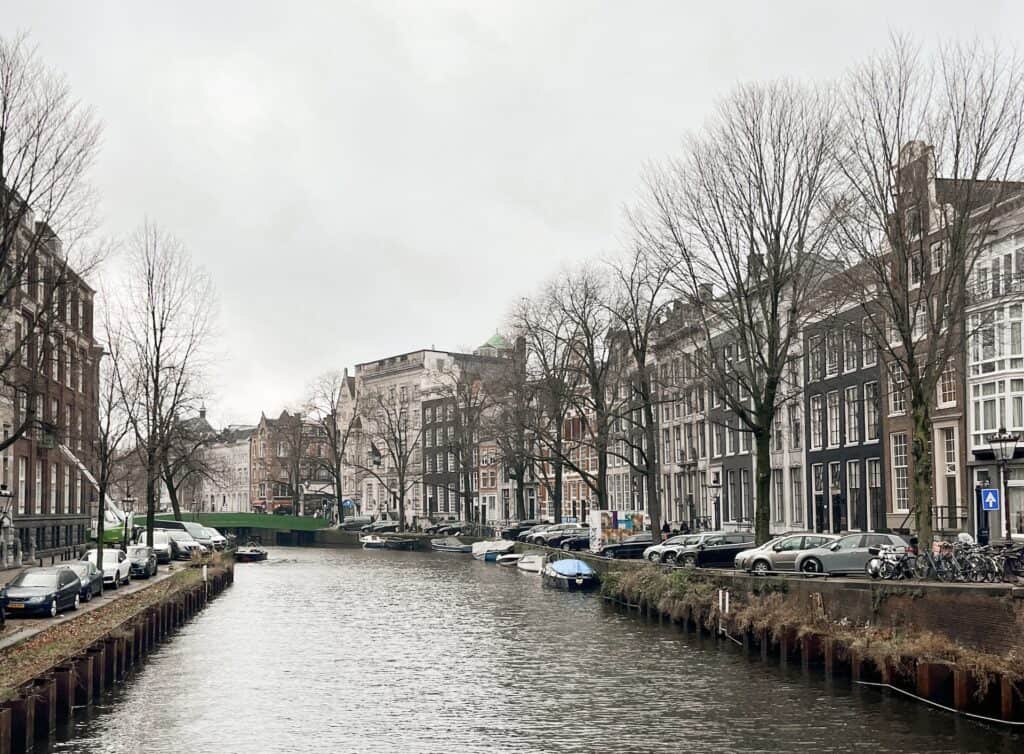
(330, 407)
(930, 151)
(510, 423)
(185, 463)
(741, 220)
(163, 324)
(48, 144)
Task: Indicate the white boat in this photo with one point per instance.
(450, 544)
(490, 549)
(509, 560)
(372, 542)
(531, 563)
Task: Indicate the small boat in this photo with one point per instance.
(250, 554)
(509, 560)
(450, 544)
(570, 574)
(372, 542)
(531, 563)
(490, 549)
(399, 543)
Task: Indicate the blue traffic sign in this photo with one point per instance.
(989, 499)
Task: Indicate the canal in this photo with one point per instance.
(378, 651)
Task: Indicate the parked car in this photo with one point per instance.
(453, 528)
(354, 523)
(654, 553)
(670, 552)
(116, 566)
(182, 545)
(432, 527)
(847, 554)
(380, 527)
(219, 541)
(717, 552)
(512, 531)
(540, 537)
(161, 545)
(555, 537)
(90, 577)
(578, 542)
(780, 554)
(630, 547)
(142, 560)
(42, 591)
(533, 530)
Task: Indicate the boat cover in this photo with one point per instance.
(571, 567)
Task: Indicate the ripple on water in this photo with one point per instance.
(378, 651)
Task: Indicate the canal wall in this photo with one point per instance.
(44, 678)
(339, 538)
(952, 645)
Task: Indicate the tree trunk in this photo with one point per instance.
(763, 488)
(100, 522)
(921, 448)
(401, 506)
(151, 479)
(556, 493)
(467, 496)
(520, 495)
(173, 494)
(602, 476)
(651, 472)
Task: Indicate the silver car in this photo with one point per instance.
(848, 554)
(780, 554)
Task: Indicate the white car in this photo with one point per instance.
(116, 566)
(161, 545)
(656, 553)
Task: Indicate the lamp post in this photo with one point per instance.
(128, 507)
(1004, 445)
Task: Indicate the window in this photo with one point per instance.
(831, 355)
(833, 419)
(816, 422)
(852, 416)
(947, 385)
(817, 363)
(916, 269)
(871, 413)
(67, 366)
(849, 349)
(778, 501)
(78, 493)
(852, 489)
(745, 501)
(818, 480)
(795, 428)
(732, 439)
(901, 496)
(22, 484)
(949, 450)
(870, 353)
(897, 390)
(39, 487)
(937, 257)
(796, 483)
(67, 490)
(874, 466)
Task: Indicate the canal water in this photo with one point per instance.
(378, 651)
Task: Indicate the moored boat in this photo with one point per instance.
(450, 544)
(250, 554)
(570, 574)
(490, 549)
(372, 542)
(399, 543)
(531, 563)
(509, 560)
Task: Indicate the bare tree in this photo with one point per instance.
(164, 324)
(48, 143)
(741, 221)
(390, 435)
(296, 455)
(510, 423)
(326, 408)
(637, 311)
(930, 151)
(185, 463)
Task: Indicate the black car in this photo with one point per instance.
(524, 535)
(719, 551)
(143, 561)
(578, 542)
(91, 578)
(354, 523)
(630, 547)
(380, 527)
(520, 527)
(42, 591)
(452, 528)
(555, 536)
(435, 526)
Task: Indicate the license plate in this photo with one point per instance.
(15, 605)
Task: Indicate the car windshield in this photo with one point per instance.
(677, 540)
(35, 578)
(138, 551)
(179, 536)
(82, 569)
(847, 543)
(638, 538)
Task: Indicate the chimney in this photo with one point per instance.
(202, 411)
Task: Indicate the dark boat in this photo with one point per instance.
(450, 544)
(250, 554)
(569, 574)
(399, 543)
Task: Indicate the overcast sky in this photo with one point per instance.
(364, 179)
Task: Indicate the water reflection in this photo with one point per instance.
(380, 651)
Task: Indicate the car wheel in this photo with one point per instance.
(689, 560)
(566, 547)
(609, 554)
(812, 565)
(761, 567)
(88, 594)
(53, 608)
(113, 584)
(78, 603)
(654, 557)
(670, 558)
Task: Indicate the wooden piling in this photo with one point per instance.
(83, 681)
(961, 689)
(44, 690)
(22, 714)
(99, 675)
(5, 731)
(64, 680)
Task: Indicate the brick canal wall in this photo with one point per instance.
(952, 644)
(74, 663)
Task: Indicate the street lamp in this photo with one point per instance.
(127, 507)
(1004, 445)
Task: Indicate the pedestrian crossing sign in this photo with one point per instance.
(990, 499)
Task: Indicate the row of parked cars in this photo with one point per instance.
(805, 552)
(48, 591)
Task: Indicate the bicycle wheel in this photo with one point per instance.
(886, 570)
(923, 568)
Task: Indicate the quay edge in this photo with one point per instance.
(57, 670)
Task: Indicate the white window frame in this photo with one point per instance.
(899, 464)
(852, 416)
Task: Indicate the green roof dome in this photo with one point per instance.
(498, 342)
